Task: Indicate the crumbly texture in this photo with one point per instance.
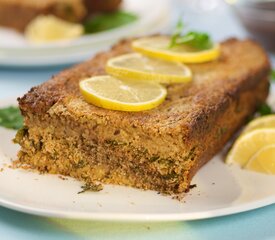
(160, 149)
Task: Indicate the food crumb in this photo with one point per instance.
(99, 204)
(93, 187)
(62, 177)
(179, 197)
(192, 186)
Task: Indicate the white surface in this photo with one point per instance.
(15, 50)
(221, 190)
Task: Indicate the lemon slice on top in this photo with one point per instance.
(139, 67)
(248, 144)
(111, 93)
(158, 47)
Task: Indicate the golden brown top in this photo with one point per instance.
(241, 66)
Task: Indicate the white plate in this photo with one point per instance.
(15, 50)
(221, 190)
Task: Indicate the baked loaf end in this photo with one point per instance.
(17, 14)
(160, 149)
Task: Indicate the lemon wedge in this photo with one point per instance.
(158, 47)
(261, 122)
(111, 93)
(49, 28)
(139, 67)
(263, 161)
(248, 144)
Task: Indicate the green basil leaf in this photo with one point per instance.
(272, 75)
(264, 109)
(10, 117)
(193, 39)
(177, 33)
(107, 21)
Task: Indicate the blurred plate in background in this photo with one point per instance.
(15, 50)
(258, 17)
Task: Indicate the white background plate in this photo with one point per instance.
(16, 51)
(221, 190)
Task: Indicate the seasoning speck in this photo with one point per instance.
(192, 186)
(91, 187)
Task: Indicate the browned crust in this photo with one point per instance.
(202, 115)
(95, 6)
(241, 65)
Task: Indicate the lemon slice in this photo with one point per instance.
(261, 122)
(111, 93)
(263, 161)
(50, 28)
(248, 144)
(139, 67)
(158, 47)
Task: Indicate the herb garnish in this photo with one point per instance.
(10, 117)
(107, 21)
(264, 109)
(272, 75)
(194, 39)
(91, 187)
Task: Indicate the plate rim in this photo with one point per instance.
(135, 217)
(83, 49)
(89, 39)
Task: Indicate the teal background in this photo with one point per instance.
(257, 224)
